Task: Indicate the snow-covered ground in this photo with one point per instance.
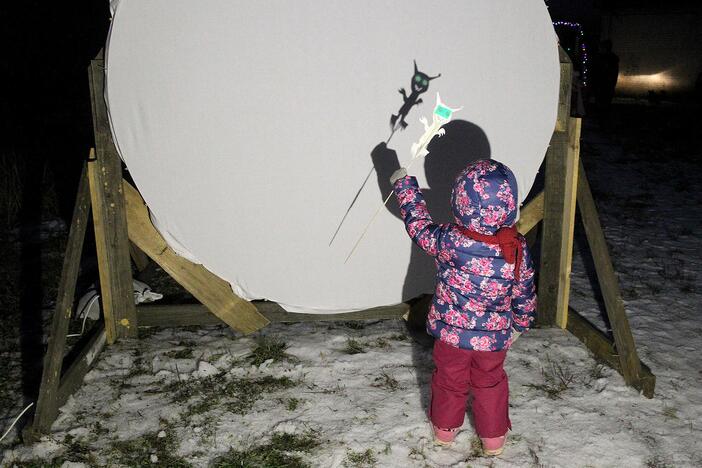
(355, 394)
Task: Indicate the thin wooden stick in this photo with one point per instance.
(370, 172)
(375, 215)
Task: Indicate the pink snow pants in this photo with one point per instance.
(459, 372)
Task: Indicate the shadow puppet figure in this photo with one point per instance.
(463, 143)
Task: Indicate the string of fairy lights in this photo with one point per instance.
(583, 48)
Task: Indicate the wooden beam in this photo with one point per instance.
(560, 190)
(197, 314)
(609, 283)
(105, 175)
(277, 314)
(531, 215)
(47, 404)
(176, 315)
(212, 291)
(565, 91)
(140, 259)
(603, 349)
(568, 227)
(73, 377)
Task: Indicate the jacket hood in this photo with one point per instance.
(484, 197)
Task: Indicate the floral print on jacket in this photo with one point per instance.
(477, 301)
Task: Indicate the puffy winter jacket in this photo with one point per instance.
(477, 300)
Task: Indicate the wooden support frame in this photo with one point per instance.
(559, 224)
(48, 403)
(111, 238)
(561, 168)
(123, 228)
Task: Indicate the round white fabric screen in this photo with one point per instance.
(248, 127)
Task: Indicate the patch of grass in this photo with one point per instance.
(138, 366)
(283, 451)
(268, 347)
(416, 453)
(353, 347)
(670, 412)
(355, 325)
(291, 404)
(399, 337)
(364, 459)
(237, 395)
(535, 460)
(78, 452)
(99, 429)
(185, 353)
(525, 363)
(476, 448)
(37, 463)
(596, 372)
(654, 461)
(557, 379)
(214, 357)
(150, 450)
(386, 381)
(381, 343)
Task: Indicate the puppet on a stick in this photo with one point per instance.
(418, 86)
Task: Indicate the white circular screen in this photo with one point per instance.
(248, 127)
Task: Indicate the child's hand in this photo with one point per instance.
(398, 174)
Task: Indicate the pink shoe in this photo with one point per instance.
(444, 436)
(493, 446)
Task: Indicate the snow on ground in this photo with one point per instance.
(344, 394)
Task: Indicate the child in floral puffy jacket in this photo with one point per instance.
(485, 296)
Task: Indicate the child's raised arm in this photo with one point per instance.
(524, 293)
(413, 209)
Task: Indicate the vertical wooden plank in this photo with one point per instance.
(609, 283)
(559, 223)
(554, 272)
(565, 91)
(105, 175)
(568, 226)
(47, 403)
(552, 229)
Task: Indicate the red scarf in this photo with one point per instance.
(507, 238)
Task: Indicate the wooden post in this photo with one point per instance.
(559, 207)
(609, 283)
(111, 239)
(565, 91)
(559, 222)
(47, 404)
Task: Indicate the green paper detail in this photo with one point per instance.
(442, 111)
